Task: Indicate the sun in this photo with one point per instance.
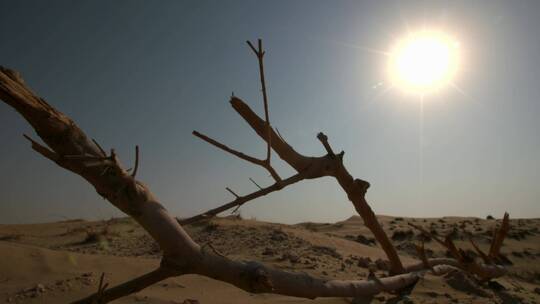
(424, 61)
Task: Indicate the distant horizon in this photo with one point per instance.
(123, 216)
(148, 74)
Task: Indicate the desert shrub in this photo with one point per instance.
(320, 250)
(95, 235)
(210, 227)
(400, 235)
(10, 237)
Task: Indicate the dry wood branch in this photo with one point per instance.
(314, 167)
(46, 152)
(243, 199)
(282, 148)
(232, 192)
(422, 254)
(492, 271)
(427, 233)
(101, 289)
(484, 257)
(447, 243)
(466, 263)
(498, 238)
(260, 55)
(251, 179)
(103, 153)
(259, 162)
(324, 140)
(257, 278)
(454, 251)
(181, 255)
(223, 147)
(136, 162)
(132, 286)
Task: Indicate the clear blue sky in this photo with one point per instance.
(150, 72)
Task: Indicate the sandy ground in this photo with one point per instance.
(61, 262)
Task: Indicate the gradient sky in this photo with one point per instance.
(150, 72)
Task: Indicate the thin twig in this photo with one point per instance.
(251, 179)
(99, 147)
(101, 289)
(447, 243)
(136, 162)
(420, 249)
(484, 257)
(431, 235)
(244, 199)
(223, 147)
(454, 251)
(263, 163)
(217, 252)
(126, 288)
(252, 48)
(279, 135)
(236, 209)
(272, 172)
(232, 192)
(260, 55)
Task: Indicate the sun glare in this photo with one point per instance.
(424, 62)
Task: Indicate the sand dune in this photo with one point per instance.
(60, 262)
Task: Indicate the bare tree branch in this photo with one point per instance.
(253, 160)
(243, 199)
(482, 271)
(498, 238)
(103, 153)
(46, 152)
(260, 54)
(251, 179)
(134, 173)
(422, 254)
(484, 257)
(132, 286)
(329, 165)
(232, 192)
(70, 148)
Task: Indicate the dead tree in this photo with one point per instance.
(69, 147)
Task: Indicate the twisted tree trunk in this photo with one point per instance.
(69, 147)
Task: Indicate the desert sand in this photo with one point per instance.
(63, 261)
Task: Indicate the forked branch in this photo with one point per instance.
(328, 165)
(69, 147)
(259, 162)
